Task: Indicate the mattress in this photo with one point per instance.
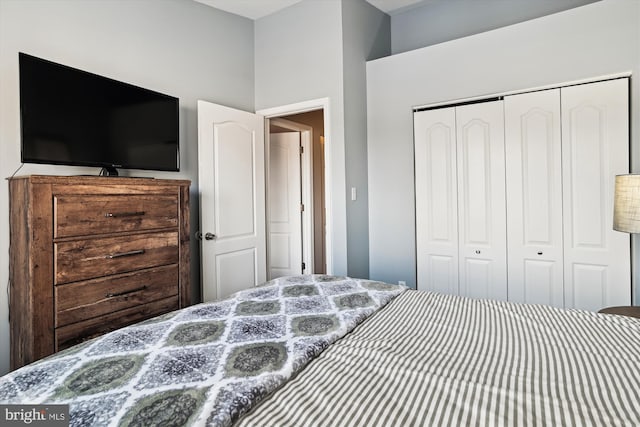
(203, 365)
(334, 351)
(438, 360)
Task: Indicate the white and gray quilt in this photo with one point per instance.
(203, 365)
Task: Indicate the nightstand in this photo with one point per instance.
(628, 310)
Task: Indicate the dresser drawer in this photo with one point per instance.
(75, 333)
(84, 300)
(88, 215)
(91, 258)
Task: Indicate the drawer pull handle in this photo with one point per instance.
(121, 254)
(119, 294)
(123, 214)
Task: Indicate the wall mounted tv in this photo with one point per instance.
(72, 117)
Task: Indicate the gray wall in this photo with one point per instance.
(594, 40)
(178, 47)
(439, 21)
(366, 36)
(298, 57)
(318, 49)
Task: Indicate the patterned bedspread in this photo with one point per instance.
(205, 364)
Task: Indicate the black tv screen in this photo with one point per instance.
(73, 117)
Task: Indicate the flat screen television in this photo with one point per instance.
(73, 117)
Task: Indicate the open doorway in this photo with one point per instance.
(296, 207)
(233, 191)
(301, 125)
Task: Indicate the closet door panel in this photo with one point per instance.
(534, 197)
(436, 200)
(481, 200)
(595, 144)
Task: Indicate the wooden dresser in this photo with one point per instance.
(92, 254)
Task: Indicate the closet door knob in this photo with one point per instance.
(539, 252)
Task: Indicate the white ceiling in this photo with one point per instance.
(255, 9)
(390, 6)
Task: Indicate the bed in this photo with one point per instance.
(323, 350)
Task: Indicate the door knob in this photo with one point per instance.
(207, 236)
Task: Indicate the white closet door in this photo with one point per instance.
(534, 197)
(436, 200)
(284, 257)
(595, 147)
(481, 200)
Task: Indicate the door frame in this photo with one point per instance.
(303, 107)
(306, 185)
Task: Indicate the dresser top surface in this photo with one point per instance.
(98, 180)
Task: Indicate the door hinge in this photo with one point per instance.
(301, 207)
(304, 266)
(301, 149)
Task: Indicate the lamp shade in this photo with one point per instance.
(626, 204)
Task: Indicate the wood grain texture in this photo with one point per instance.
(84, 300)
(20, 321)
(185, 251)
(98, 183)
(82, 215)
(57, 237)
(626, 310)
(41, 262)
(90, 258)
(75, 333)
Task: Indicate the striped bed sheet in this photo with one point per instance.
(428, 359)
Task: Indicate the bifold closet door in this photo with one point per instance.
(460, 200)
(534, 197)
(558, 151)
(595, 148)
(436, 200)
(481, 200)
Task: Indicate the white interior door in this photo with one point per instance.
(595, 148)
(481, 200)
(232, 199)
(436, 200)
(285, 213)
(534, 197)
